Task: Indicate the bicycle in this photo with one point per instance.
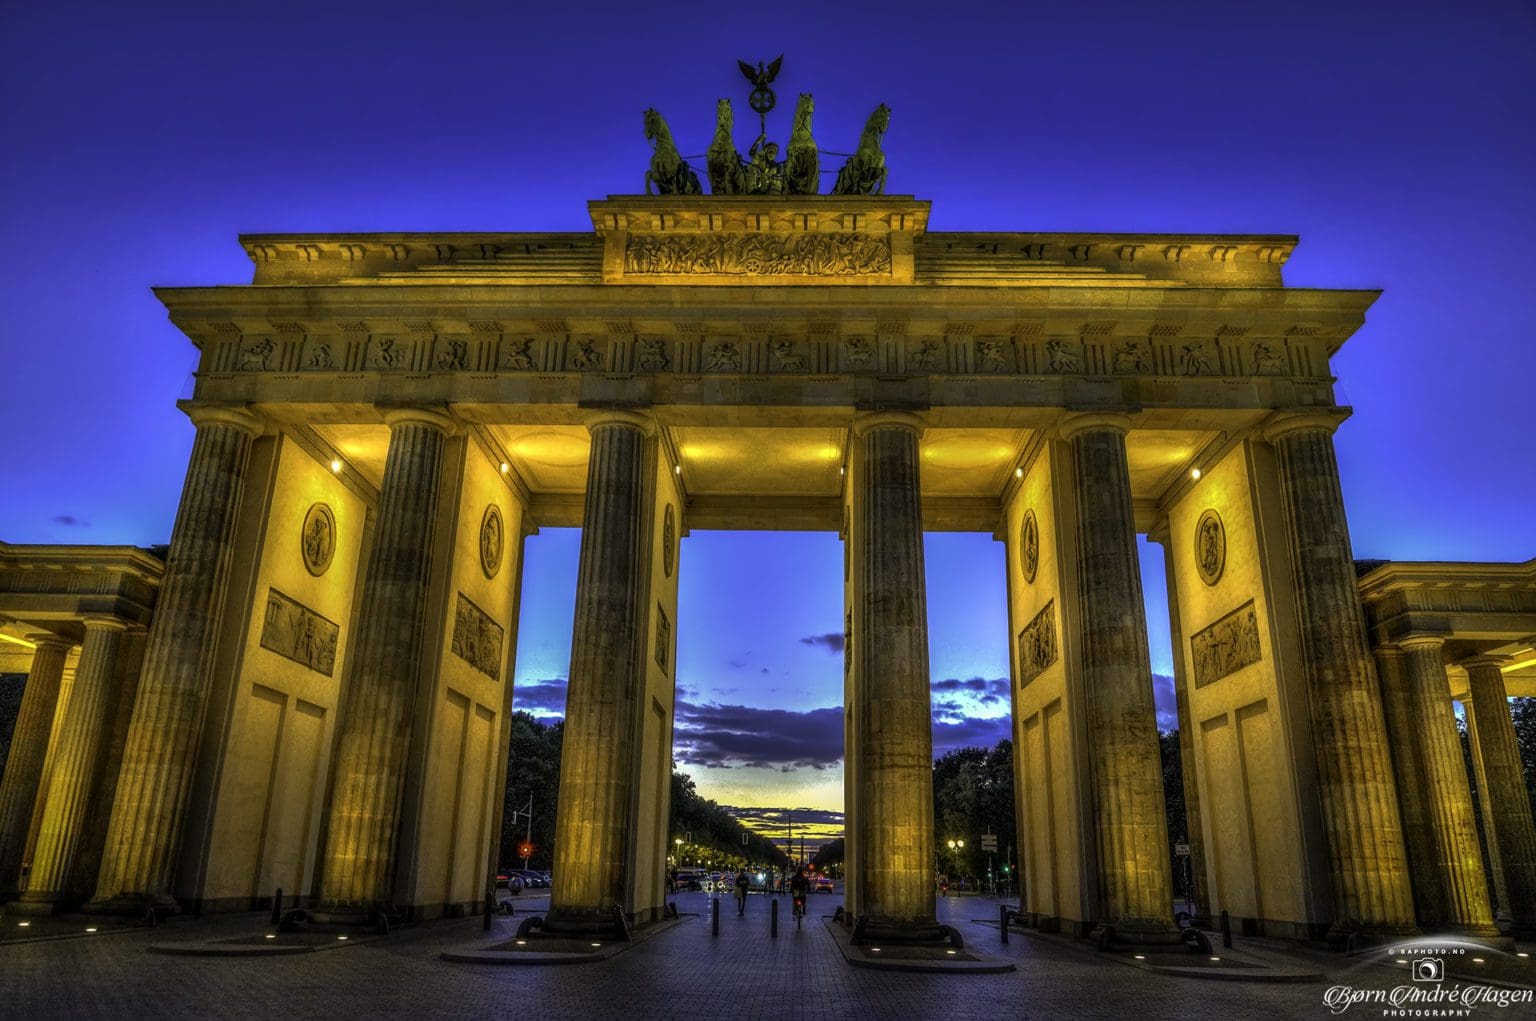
(799, 901)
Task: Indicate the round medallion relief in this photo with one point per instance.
(1210, 547)
(668, 540)
(1029, 546)
(492, 540)
(318, 542)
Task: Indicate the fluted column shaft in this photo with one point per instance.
(1130, 817)
(1509, 819)
(72, 780)
(597, 767)
(1368, 865)
(1445, 794)
(167, 719)
(387, 660)
(29, 750)
(1401, 716)
(896, 823)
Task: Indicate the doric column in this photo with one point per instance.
(1510, 832)
(1188, 768)
(597, 764)
(1368, 865)
(29, 749)
(896, 824)
(1397, 697)
(1130, 819)
(167, 717)
(1445, 797)
(71, 781)
(387, 656)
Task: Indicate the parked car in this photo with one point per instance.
(691, 879)
(533, 880)
(511, 880)
(824, 885)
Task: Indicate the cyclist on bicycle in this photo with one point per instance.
(799, 886)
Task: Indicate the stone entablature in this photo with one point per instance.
(1478, 608)
(894, 225)
(61, 583)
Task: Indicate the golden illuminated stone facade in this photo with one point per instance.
(324, 697)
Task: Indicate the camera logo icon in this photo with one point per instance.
(1429, 969)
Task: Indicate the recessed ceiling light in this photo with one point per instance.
(335, 464)
(1194, 473)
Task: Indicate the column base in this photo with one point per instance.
(874, 929)
(611, 924)
(40, 905)
(129, 904)
(354, 916)
(1135, 934)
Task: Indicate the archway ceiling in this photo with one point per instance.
(786, 462)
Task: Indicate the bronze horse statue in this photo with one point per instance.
(668, 172)
(800, 162)
(726, 176)
(864, 173)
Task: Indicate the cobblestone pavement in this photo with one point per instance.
(682, 973)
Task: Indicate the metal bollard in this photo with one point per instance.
(773, 919)
(1002, 919)
(277, 906)
(714, 917)
(1226, 929)
(485, 920)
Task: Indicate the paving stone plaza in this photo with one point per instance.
(682, 972)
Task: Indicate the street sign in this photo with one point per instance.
(989, 842)
(1181, 850)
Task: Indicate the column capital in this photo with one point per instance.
(1421, 640)
(408, 414)
(238, 416)
(105, 624)
(51, 640)
(641, 420)
(1474, 662)
(1282, 423)
(1072, 425)
(869, 421)
(1161, 532)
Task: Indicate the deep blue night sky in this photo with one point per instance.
(1396, 139)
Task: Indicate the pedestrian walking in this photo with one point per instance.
(741, 892)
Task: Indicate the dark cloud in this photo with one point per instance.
(70, 521)
(947, 735)
(1166, 702)
(832, 641)
(785, 816)
(735, 735)
(541, 698)
(955, 684)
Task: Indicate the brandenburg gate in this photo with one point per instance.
(321, 699)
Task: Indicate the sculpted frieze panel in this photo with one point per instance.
(786, 355)
(296, 632)
(1268, 359)
(586, 357)
(1195, 359)
(851, 254)
(321, 357)
(1063, 356)
(259, 356)
(1037, 644)
(1226, 646)
(993, 356)
(929, 355)
(477, 638)
(723, 356)
(517, 354)
(453, 355)
(1134, 357)
(652, 355)
(859, 352)
(663, 637)
(386, 353)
